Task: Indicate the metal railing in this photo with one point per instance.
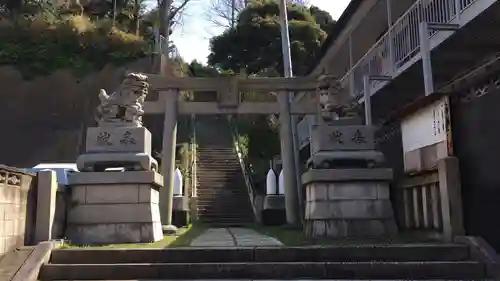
(245, 167)
(401, 42)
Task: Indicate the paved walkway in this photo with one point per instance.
(232, 237)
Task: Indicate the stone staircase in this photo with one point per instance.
(222, 195)
(346, 262)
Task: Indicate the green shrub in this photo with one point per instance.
(38, 47)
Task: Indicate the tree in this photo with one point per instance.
(255, 42)
(223, 13)
(323, 18)
(197, 69)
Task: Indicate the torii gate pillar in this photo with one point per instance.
(168, 158)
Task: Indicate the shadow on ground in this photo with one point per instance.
(185, 238)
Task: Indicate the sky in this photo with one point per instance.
(192, 38)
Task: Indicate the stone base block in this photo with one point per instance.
(99, 162)
(274, 217)
(180, 203)
(180, 218)
(180, 211)
(114, 207)
(274, 202)
(351, 203)
(114, 233)
(273, 212)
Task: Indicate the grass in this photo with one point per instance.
(296, 237)
(183, 238)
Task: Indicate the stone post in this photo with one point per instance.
(451, 197)
(45, 205)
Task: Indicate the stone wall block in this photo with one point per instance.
(78, 194)
(148, 194)
(97, 194)
(112, 213)
(349, 190)
(317, 191)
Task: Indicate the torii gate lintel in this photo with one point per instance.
(228, 89)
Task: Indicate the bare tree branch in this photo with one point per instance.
(176, 12)
(223, 13)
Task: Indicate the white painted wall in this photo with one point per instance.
(425, 127)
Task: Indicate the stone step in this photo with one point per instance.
(218, 171)
(222, 218)
(214, 202)
(223, 213)
(265, 270)
(217, 152)
(228, 180)
(218, 205)
(236, 202)
(209, 164)
(218, 158)
(233, 279)
(222, 191)
(209, 148)
(339, 253)
(210, 167)
(221, 187)
(223, 200)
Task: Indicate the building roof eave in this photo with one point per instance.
(335, 31)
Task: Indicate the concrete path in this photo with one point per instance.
(232, 237)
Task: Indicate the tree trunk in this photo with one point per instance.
(136, 20)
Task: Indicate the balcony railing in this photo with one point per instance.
(399, 47)
(401, 43)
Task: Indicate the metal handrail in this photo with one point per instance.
(245, 168)
(193, 166)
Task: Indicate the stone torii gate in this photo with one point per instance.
(228, 89)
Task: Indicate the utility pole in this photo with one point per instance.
(114, 13)
(289, 152)
(233, 13)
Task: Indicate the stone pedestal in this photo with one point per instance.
(180, 211)
(348, 203)
(114, 207)
(273, 211)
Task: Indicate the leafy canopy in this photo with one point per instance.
(255, 42)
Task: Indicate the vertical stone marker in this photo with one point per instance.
(120, 205)
(347, 193)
